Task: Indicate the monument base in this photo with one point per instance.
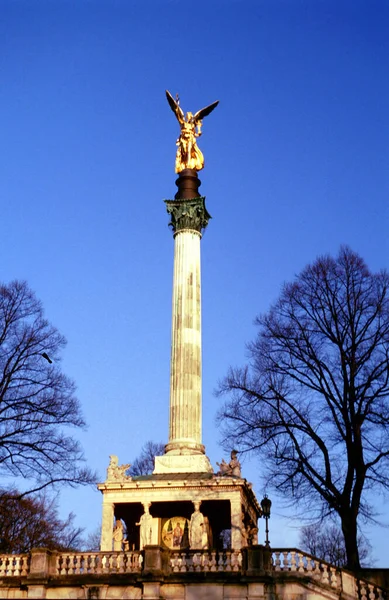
(181, 463)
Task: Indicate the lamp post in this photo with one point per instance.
(266, 506)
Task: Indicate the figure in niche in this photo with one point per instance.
(118, 536)
(232, 469)
(198, 535)
(116, 472)
(146, 527)
(178, 533)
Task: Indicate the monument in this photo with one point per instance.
(184, 531)
(185, 504)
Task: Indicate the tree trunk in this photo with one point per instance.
(349, 528)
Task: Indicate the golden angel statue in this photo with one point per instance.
(189, 155)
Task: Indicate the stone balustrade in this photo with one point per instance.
(205, 561)
(79, 563)
(14, 565)
(369, 591)
(253, 561)
(296, 561)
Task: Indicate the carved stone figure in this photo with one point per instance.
(198, 535)
(232, 469)
(189, 155)
(252, 535)
(146, 527)
(116, 472)
(118, 536)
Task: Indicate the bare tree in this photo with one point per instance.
(144, 464)
(37, 401)
(32, 522)
(327, 543)
(92, 541)
(313, 401)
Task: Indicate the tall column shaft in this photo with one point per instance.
(185, 368)
(184, 452)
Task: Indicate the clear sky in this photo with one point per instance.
(296, 164)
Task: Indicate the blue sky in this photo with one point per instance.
(296, 164)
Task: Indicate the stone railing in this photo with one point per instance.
(14, 565)
(369, 591)
(192, 561)
(253, 561)
(296, 561)
(80, 563)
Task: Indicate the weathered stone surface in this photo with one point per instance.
(195, 463)
(185, 367)
(205, 592)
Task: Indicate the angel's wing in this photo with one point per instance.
(204, 111)
(175, 107)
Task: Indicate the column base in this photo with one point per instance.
(182, 463)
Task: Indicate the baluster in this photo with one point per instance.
(197, 561)
(112, 562)
(57, 565)
(363, 592)
(132, 562)
(309, 563)
(205, 562)
(334, 579)
(121, 562)
(174, 563)
(60, 567)
(24, 566)
(371, 592)
(75, 558)
(324, 576)
(77, 564)
(2, 566)
(126, 562)
(86, 564)
(285, 561)
(190, 562)
(228, 561)
(104, 563)
(293, 562)
(213, 561)
(183, 566)
(97, 563)
(220, 562)
(235, 560)
(379, 594)
(16, 569)
(277, 561)
(300, 562)
(63, 559)
(135, 564)
(316, 570)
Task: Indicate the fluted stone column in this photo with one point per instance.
(189, 217)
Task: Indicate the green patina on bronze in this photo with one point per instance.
(188, 214)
